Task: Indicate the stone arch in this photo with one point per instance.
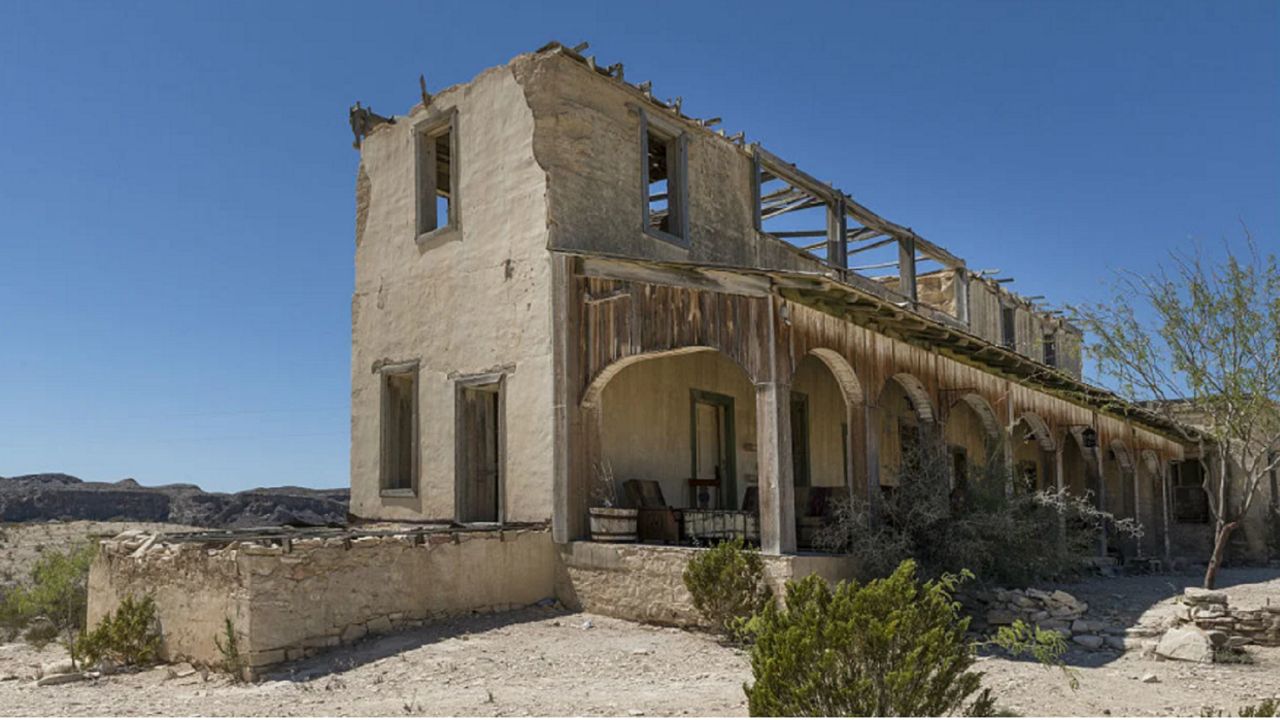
(1039, 430)
(845, 377)
(1151, 462)
(985, 413)
(1122, 455)
(917, 393)
(591, 394)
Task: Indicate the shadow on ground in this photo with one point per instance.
(373, 648)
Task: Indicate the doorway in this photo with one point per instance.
(713, 482)
(479, 459)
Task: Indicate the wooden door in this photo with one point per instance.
(479, 458)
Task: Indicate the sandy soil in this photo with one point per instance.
(547, 662)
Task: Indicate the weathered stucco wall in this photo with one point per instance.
(471, 300)
(645, 583)
(290, 601)
(196, 591)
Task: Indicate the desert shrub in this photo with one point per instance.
(1011, 539)
(232, 659)
(894, 646)
(130, 636)
(728, 587)
(1266, 708)
(55, 599)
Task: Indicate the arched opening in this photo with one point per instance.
(1079, 470)
(972, 436)
(1032, 447)
(906, 424)
(1119, 488)
(824, 439)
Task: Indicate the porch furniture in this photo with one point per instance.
(657, 521)
(814, 509)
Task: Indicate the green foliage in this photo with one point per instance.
(1266, 708)
(894, 646)
(54, 601)
(1200, 340)
(130, 636)
(1009, 539)
(728, 587)
(1044, 646)
(232, 660)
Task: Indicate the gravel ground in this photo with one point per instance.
(544, 662)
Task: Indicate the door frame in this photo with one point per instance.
(728, 440)
(498, 383)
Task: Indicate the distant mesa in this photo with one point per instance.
(58, 496)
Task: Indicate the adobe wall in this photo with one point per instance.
(290, 601)
(470, 300)
(645, 583)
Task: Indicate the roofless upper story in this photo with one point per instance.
(629, 175)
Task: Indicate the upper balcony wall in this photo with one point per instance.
(588, 138)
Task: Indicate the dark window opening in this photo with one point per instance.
(800, 439)
(1050, 351)
(665, 183)
(399, 430)
(1190, 501)
(437, 176)
(1008, 330)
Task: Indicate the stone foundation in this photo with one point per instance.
(645, 583)
(290, 598)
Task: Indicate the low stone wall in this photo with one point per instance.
(1208, 610)
(291, 599)
(645, 583)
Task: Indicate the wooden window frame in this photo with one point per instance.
(677, 181)
(385, 373)
(426, 222)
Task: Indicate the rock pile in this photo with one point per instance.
(1205, 627)
(1049, 610)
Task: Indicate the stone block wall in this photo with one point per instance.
(645, 583)
(292, 599)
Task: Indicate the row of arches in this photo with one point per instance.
(693, 418)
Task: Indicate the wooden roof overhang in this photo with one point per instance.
(870, 305)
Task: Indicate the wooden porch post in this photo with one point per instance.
(777, 488)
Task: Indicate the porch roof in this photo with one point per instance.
(868, 304)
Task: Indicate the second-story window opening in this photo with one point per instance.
(437, 146)
(1050, 350)
(665, 201)
(1008, 329)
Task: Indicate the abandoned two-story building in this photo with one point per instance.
(569, 294)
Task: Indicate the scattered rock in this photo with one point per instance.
(1200, 596)
(1186, 643)
(1115, 642)
(57, 667)
(1150, 678)
(60, 679)
(181, 670)
(587, 625)
(1092, 642)
(1217, 638)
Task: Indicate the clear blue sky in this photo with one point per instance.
(176, 179)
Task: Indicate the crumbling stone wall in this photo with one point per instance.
(291, 600)
(645, 583)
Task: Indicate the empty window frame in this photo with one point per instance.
(664, 181)
(1190, 502)
(399, 452)
(1050, 350)
(797, 211)
(1008, 327)
(437, 174)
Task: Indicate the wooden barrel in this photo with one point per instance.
(613, 524)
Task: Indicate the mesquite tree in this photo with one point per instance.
(1200, 339)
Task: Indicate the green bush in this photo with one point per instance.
(54, 601)
(232, 659)
(130, 636)
(1008, 539)
(894, 646)
(728, 587)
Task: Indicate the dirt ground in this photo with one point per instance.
(547, 662)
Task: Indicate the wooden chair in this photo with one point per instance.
(656, 521)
